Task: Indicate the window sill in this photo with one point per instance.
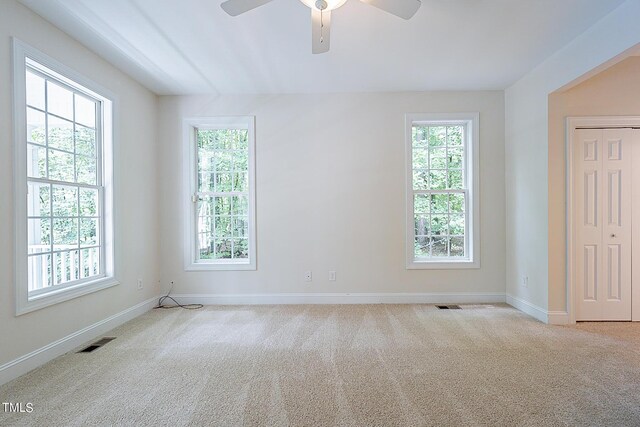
(443, 265)
(220, 266)
(56, 296)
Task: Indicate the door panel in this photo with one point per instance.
(602, 223)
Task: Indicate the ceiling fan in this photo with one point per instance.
(321, 14)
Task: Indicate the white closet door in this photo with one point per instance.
(602, 218)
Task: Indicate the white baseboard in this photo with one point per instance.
(528, 308)
(339, 298)
(558, 318)
(39, 357)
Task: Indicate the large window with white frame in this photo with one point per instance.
(63, 172)
(220, 226)
(442, 188)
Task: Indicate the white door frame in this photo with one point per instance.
(572, 124)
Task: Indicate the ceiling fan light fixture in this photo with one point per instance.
(331, 4)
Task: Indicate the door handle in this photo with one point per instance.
(613, 236)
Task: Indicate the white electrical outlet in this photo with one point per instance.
(140, 285)
(525, 281)
(308, 276)
(332, 276)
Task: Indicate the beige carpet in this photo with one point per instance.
(367, 365)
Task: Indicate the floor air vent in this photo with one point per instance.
(448, 307)
(96, 345)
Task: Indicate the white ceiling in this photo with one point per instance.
(192, 46)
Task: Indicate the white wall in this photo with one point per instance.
(330, 193)
(135, 192)
(613, 92)
(527, 149)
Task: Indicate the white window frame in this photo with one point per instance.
(190, 189)
(472, 181)
(27, 302)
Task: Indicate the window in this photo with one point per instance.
(220, 193)
(63, 183)
(442, 181)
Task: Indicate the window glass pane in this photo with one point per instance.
(419, 136)
(223, 226)
(241, 139)
(60, 133)
(223, 161)
(241, 248)
(420, 180)
(39, 235)
(240, 182)
(455, 158)
(65, 233)
(422, 225)
(36, 127)
(86, 170)
(85, 141)
(240, 227)
(222, 249)
(422, 247)
(65, 201)
(89, 229)
(240, 205)
(438, 158)
(420, 158)
(440, 247)
(240, 160)
(456, 203)
(439, 224)
(439, 203)
(454, 135)
(85, 111)
(60, 166)
(223, 205)
(437, 136)
(456, 179)
(223, 182)
(35, 90)
(66, 267)
(205, 246)
(206, 182)
(457, 247)
(89, 262)
(59, 100)
(456, 225)
(88, 202)
(39, 272)
(438, 179)
(422, 203)
(38, 200)
(36, 161)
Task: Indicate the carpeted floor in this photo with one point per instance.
(364, 365)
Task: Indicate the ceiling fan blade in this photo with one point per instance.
(236, 7)
(403, 8)
(320, 35)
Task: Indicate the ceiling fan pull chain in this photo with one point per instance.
(321, 28)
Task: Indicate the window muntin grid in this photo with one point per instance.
(222, 212)
(440, 191)
(64, 179)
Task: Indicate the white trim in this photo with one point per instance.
(472, 165)
(571, 124)
(39, 357)
(23, 302)
(341, 298)
(526, 307)
(558, 318)
(189, 166)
